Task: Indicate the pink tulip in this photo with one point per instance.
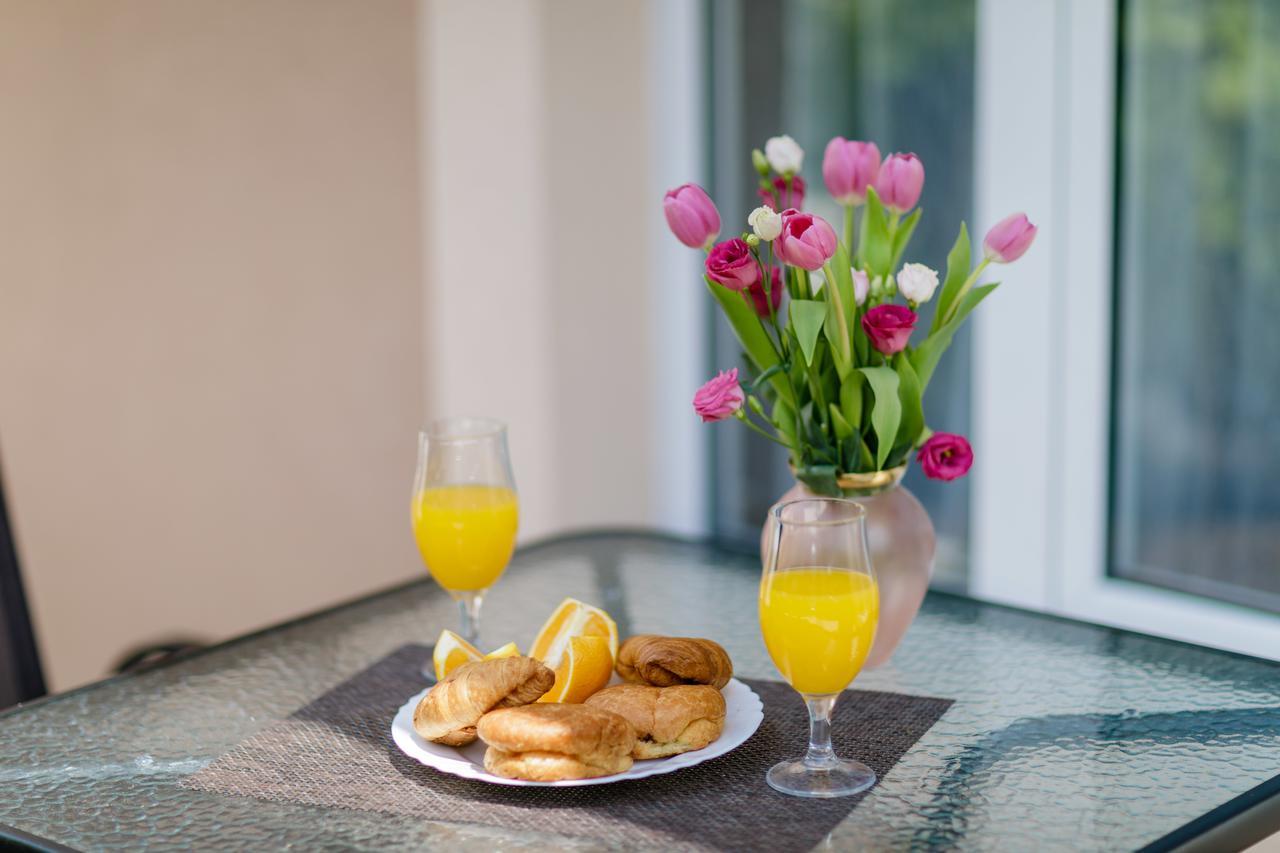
(758, 301)
(945, 456)
(731, 263)
(848, 167)
(719, 398)
(806, 241)
(1009, 238)
(900, 181)
(780, 197)
(889, 327)
(692, 216)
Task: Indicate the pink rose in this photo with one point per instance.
(848, 167)
(732, 264)
(780, 198)
(719, 398)
(756, 292)
(692, 216)
(806, 241)
(1009, 238)
(889, 327)
(945, 456)
(900, 181)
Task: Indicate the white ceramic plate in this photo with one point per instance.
(743, 714)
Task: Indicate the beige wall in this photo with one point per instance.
(210, 311)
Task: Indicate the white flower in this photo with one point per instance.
(917, 282)
(766, 222)
(861, 286)
(784, 155)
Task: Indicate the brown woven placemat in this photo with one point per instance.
(338, 752)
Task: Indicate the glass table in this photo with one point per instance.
(1063, 735)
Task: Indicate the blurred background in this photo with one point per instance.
(248, 247)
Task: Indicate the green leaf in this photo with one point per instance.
(875, 249)
(838, 423)
(751, 334)
(783, 418)
(910, 394)
(886, 414)
(902, 237)
(821, 479)
(807, 317)
(851, 399)
(842, 267)
(957, 272)
(925, 358)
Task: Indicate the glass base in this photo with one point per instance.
(839, 777)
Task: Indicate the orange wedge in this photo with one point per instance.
(452, 652)
(572, 618)
(585, 668)
(510, 650)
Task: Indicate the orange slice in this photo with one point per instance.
(586, 667)
(572, 618)
(452, 652)
(510, 650)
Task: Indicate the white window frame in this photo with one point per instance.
(1046, 89)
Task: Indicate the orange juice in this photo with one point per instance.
(465, 533)
(818, 625)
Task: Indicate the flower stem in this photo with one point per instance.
(742, 416)
(964, 289)
(848, 229)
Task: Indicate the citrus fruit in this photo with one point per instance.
(510, 650)
(452, 652)
(572, 618)
(584, 668)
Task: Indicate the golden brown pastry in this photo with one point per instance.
(549, 742)
(665, 661)
(667, 720)
(449, 713)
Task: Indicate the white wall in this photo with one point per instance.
(250, 245)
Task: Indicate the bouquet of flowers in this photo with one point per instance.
(835, 376)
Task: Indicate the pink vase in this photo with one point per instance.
(901, 540)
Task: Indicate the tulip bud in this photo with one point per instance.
(692, 216)
(765, 222)
(759, 162)
(784, 155)
(917, 282)
(1009, 239)
(900, 181)
(807, 241)
(848, 167)
(861, 286)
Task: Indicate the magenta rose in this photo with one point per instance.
(889, 327)
(758, 300)
(780, 198)
(945, 456)
(806, 241)
(719, 398)
(732, 264)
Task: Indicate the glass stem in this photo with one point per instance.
(820, 754)
(469, 606)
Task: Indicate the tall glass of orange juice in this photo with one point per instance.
(819, 607)
(464, 509)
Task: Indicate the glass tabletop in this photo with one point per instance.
(1063, 735)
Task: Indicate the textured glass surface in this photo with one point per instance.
(1197, 461)
(899, 72)
(1063, 736)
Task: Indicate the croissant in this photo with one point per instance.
(664, 661)
(449, 712)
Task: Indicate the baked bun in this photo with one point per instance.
(449, 712)
(548, 742)
(666, 661)
(667, 720)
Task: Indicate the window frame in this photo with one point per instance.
(1043, 350)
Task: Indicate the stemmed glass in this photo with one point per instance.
(819, 606)
(465, 510)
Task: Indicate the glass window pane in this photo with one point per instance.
(899, 72)
(1196, 469)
